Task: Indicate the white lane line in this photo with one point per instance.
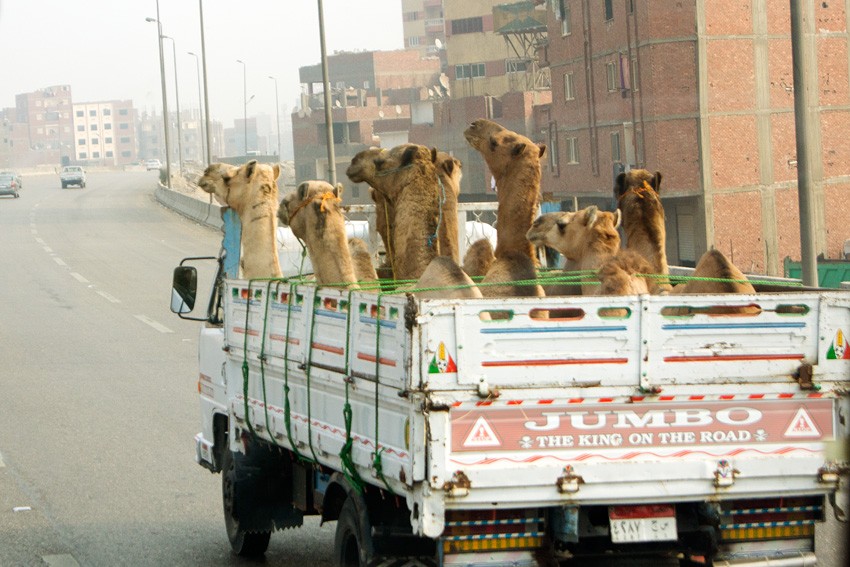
(40, 241)
(79, 278)
(48, 249)
(63, 560)
(109, 298)
(158, 326)
(59, 261)
(2, 464)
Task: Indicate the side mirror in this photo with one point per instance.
(184, 288)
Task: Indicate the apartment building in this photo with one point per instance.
(424, 27)
(105, 133)
(703, 92)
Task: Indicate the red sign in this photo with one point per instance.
(636, 425)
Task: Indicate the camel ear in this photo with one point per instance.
(276, 170)
(518, 149)
(542, 149)
(249, 168)
(620, 185)
(338, 190)
(434, 155)
(618, 217)
(656, 182)
(407, 157)
(590, 215)
(302, 191)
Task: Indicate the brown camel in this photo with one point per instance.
(251, 191)
(589, 239)
(514, 161)
(714, 264)
(449, 170)
(313, 213)
(479, 258)
(361, 260)
(637, 193)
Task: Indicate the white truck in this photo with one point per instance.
(523, 431)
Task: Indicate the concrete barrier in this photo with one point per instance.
(203, 212)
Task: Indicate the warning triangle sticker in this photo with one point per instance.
(802, 426)
(482, 435)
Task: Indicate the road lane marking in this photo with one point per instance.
(40, 241)
(2, 464)
(79, 278)
(109, 298)
(64, 560)
(59, 261)
(158, 326)
(48, 249)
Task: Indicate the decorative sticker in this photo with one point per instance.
(442, 362)
(839, 349)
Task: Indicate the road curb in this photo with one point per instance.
(203, 212)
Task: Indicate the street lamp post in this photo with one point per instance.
(177, 98)
(200, 105)
(164, 98)
(206, 90)
(277, 107)
(245, 99)
(326, 85)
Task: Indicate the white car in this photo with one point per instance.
(153, 164)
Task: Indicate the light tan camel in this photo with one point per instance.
(589, 239)
(714, 264)
(479, 258)
(361, 260)
(251, 191)
(312, 212)
(638, 197)
(406, 178)
(450, 172)
(514, 161)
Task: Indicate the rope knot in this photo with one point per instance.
(328, 196)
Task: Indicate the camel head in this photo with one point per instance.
(367, 164)
(309, 206)
(448, 167)
(241, 187)
(638, 180)
(573, 234)
(502, 149)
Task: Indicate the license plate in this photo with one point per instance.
(631, 524)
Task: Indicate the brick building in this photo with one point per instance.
(424, 27)
(703, 92)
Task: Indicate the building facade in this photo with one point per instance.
(105, 133)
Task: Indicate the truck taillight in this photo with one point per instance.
(772, 518)
(489, 530)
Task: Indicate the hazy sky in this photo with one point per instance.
(106, 50)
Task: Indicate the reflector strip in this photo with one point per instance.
(476, 537)
(767, 533)
(786, 509)
(508, 521)
(493, 544)
(769, 524)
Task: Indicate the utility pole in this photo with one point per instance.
(277, 107)
(328, 111)
(206, 90)
(164, 97)
(177, 98)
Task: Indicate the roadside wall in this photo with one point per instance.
(203, 212)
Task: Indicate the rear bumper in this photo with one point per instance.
(799, 560)
(204, 455)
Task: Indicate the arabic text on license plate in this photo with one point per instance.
(639, 523)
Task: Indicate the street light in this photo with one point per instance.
(164, 98)
(245, 98)
(200, 104)
(326, 86)
(206, 89)
(277, 107)
(177, 98)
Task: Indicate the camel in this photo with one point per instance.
(313, 213)
(637, 193)
(479, 258)
(361, 260)
(590, 240)
(714, 264)
(251, 191)
(449, 172)
(514, 161)
(406, 178)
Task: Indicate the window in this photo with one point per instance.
(126, 153)
(516, 65)
(413, 41)
(467, 25)
(92, 112)
(83, 155)
(95, 154)
(566, 24)
(572, 150)
(469, 71)
(108, 154)
(80, 114)
(81, 142)
(609, 10)
(122, 112)
(615, 147)
(611, 74)
(553, 148)
(93, 127)
(123, 126)
(81, 128)
(569, 87)
(107, 140)
(95, 141)
(124, 140)
(634, 74)
(107, 126)
(107, 112)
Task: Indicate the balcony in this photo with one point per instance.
(434, 24)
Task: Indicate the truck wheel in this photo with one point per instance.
(245, 544)
(64, 186)
(353, 540)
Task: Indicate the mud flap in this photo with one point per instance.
(264, 492)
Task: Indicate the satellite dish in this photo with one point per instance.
(444, 81)
(337, 104)
(380, 113)
(431, 92)
(438, 44)
(397, 109)
(308, 111)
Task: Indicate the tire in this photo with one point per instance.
(244, 544)
(64, 186)
(82, 185)
(353, 540)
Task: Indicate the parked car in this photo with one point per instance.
(16, 175)
(153, 164)
(9, 185)
(73, 175)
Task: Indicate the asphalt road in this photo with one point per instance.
(98, 393)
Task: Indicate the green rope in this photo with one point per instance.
(308, 374)
(433, 237)
(263, 361)
(287, 411)
(377, 464)
(245, 371)
(345, 455)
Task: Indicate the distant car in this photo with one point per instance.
(9, 185)
(73, 175)
(16, 175)
(153, 164)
